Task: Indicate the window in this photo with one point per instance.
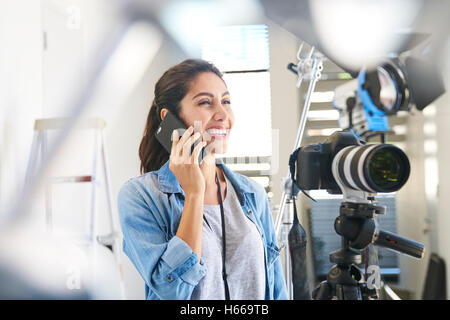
(238, 48)
(242, 54)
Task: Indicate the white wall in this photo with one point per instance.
(412, 207)
(443, 156)
(284, 101)
(21, 90)
(442, 222)
(424, 201)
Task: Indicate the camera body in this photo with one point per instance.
(344, 164)
(314, 162)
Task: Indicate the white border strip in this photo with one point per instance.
(360, 167)
(347, 167)
(391, 293)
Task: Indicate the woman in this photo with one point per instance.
(174, 215)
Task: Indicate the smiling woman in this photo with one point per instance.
(197, 231)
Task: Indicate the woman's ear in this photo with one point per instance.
(163, 113)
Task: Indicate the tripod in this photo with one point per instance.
(345, 280)
(356, 226)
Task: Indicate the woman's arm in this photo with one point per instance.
(191, 223)
(169, 267)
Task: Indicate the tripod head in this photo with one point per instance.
(357, 225)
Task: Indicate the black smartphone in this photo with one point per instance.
(165, 130)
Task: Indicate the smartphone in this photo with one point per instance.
(165, 130)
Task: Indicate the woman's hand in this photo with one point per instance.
(184, 165)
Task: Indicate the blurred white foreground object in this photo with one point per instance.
(359, 33)
(38, 265)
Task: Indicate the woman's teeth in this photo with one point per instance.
(217, 132)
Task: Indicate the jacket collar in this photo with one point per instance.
(168, 183)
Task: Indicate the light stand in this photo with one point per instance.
(310, 67)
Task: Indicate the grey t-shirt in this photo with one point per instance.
(244, 253)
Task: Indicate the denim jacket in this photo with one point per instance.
(150, 209)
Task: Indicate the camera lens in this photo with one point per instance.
(387, 168)
(372, 168)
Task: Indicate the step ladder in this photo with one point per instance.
(39, 148)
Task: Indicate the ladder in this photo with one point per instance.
(40, 147)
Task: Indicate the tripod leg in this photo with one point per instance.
(344, 292)
(322, 292)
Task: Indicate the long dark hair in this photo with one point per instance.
(170, 89)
